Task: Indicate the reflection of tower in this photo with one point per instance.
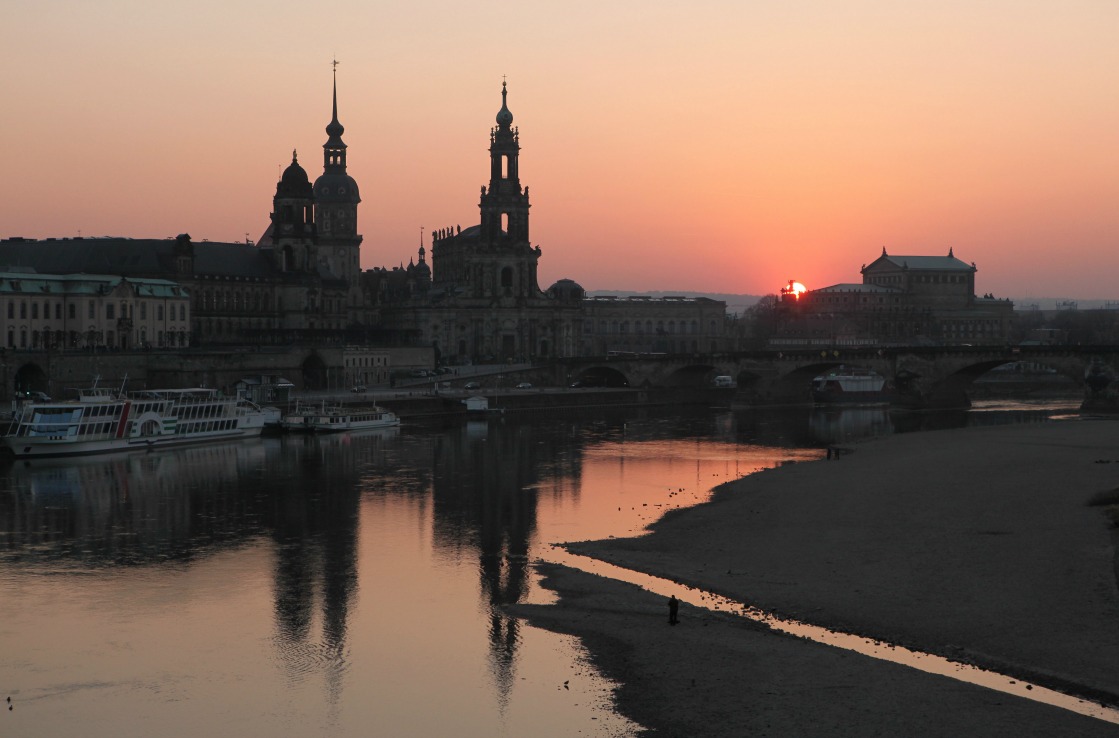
(485, 494)
(315, 530)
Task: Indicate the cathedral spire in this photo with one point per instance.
(334, 150)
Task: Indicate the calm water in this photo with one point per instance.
(350, 585)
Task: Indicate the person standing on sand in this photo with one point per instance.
(673, 607)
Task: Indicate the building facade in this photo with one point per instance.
(88, 311)
(901, 300)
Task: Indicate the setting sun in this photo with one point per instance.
(793, 290)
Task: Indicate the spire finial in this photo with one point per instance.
(334, 72)
(504, 117)
(294, 157)
(335, 129)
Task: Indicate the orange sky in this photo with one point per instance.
(707, 146)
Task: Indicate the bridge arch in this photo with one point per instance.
(30, 378)
(314, 373)
(692, 375)
(600, 376)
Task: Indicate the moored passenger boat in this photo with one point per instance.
(851, 385)
(363, 418)
(103, 421)
(335, 419)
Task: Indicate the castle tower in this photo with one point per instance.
(336, 200)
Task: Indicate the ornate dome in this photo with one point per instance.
(294, 181)
(566, 290)
(504, 117)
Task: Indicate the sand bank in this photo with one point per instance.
(975, 544)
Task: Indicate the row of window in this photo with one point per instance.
(126, 310)
(367, 361)
(188, 411)
(922, 279)
(77, 339)
(255, 302)
(657, 347)
(646, 327)
(205, 426)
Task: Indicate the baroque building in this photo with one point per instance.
(87, 311)
(480, 299)
(901, 300)
(302, 283)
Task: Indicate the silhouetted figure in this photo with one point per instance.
(673, 608)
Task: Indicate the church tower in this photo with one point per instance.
(505, 205)
(293, 221)
(494, 259)
(336, 201)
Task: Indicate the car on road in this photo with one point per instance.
(357, 388)
(471, 385)
(524, 385)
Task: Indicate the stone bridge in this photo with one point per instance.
(937, 376)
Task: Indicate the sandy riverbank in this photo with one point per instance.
(976, 544)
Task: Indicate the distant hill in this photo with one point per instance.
(735, 303)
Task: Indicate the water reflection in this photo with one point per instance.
(834, 425)
(352, 523)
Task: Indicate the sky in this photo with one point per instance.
(701, 146)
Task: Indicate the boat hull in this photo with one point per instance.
(41, 448)
(355, 426)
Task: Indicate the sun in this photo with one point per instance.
(794, 290)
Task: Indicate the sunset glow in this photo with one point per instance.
(794, 290)
(705, 146)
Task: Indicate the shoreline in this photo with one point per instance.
(977, 544)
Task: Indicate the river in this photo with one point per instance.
(353, 585)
